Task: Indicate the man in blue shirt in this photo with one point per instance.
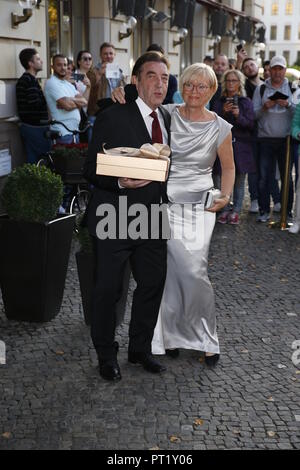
(63, 100)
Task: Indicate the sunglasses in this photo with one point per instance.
(86, 58)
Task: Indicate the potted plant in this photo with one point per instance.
(34, 244)
(85, 268)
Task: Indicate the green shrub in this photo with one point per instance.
(32, 194)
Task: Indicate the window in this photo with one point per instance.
(286, 54)
(273, 33)
(274, 8)
(299, 31)
(289, 8)
(287, 32)
(298, 57)
(272, 54)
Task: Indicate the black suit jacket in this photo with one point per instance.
(119, 126)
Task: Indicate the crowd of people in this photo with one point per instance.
(223, 123)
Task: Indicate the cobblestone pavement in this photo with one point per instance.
(51, 395)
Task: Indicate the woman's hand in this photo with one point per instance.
(219, 204)
(228, 107)
(235, 111)
(86, 81)
(118, 95)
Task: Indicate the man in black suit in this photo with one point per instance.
(129, 125)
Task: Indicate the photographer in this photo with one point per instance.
(237, 109)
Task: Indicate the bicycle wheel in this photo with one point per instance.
(46, 160)
(79, 203)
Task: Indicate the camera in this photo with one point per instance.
(78, 77)
(234, 100)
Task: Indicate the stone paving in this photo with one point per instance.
(51, 395)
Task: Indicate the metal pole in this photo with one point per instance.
(285, 185)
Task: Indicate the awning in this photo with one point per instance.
(232, 11)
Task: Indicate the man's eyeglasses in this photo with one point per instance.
(190, 87)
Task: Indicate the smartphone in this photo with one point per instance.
(239, 47)
(78, 77)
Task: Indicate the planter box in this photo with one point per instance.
(85, 267)
(33, 265)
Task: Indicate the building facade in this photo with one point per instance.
(282, 20)
(187, 30)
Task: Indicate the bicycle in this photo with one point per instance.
(69, 168)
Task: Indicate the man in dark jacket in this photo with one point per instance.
(32, 106)
(131, 125)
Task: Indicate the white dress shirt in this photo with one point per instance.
(145, 112)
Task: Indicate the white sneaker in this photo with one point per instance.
(254, 209)
(294, 228)
(277, 207)
(263, 217)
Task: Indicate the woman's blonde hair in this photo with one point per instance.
(240, 78)
(199, 70)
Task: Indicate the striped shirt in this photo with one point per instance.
(31, 103)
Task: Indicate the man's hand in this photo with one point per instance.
(283, 103)
(118, 95)
(269, 104)
(80, 101)
(240, 57)
(130, 183)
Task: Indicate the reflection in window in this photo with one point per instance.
(287, 32)
(289, 8)
(274, 8)
(53, 13)
(273, 33)
(286, 54)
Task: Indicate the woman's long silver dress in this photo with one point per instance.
(187, 317)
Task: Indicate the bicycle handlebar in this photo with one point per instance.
(74, 132)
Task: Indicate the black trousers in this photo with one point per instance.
(148, 259)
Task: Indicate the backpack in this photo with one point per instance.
(263, 87)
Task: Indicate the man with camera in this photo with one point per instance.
(105, 77)
(274, 109)
(63, 100)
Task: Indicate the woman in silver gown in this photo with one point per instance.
(187, 316)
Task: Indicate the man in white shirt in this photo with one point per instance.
(131, 125)
(63, 100)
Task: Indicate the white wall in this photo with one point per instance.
(280, 44)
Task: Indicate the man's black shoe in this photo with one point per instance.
(147, 361)
(110, 370)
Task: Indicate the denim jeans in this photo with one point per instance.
(35, 141)
(68, 139)
(238, 193)
(270, 152)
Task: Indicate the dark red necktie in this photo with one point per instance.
(156, 130)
